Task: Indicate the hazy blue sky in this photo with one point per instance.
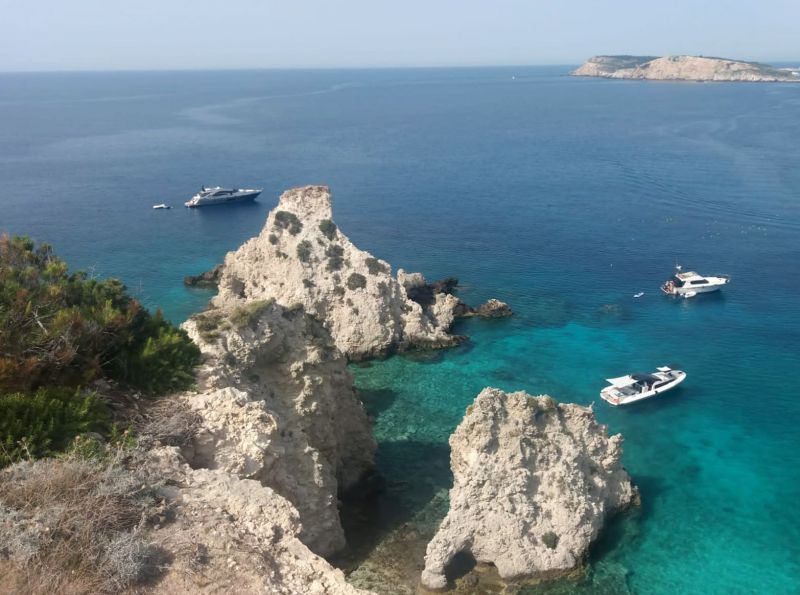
(163, 34)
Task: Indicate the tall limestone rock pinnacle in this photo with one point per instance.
(533, 484)
(277, 405)
(301, 258)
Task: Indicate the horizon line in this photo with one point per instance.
(329, 68)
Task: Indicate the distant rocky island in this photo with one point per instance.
(685, 68)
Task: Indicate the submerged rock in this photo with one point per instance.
(491, 309)
(533, 484)
(302, 259)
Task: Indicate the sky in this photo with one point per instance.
(56, 35)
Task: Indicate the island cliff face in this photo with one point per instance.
(533, 484)
(684, 68)
(302, 259)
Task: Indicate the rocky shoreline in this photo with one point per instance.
(281, 423)
(251, 465)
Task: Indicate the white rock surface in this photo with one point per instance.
(277, 405)
(232, 535)
(302, 258)
(534, 482)
(686, 68)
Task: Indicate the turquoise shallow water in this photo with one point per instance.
(561, 196)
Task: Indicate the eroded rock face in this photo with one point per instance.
(278, 406)
(302, 258)
(534, 482)
(233, 535)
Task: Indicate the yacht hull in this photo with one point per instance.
(225, 200)
(607, 394)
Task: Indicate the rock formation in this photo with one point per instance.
(277, 406)
(685, 68)
(301, 258)
(231, 535)
(533, 483)
(208, 279)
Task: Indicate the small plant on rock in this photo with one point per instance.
(356, 281)
(289, 221)
(335, 256)
(375, 266)
(304, 251)
(328, 228)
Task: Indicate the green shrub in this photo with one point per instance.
(304, 251)
(375, 266)
(328, 228)
(58, 329)
(550, 539)
(248, 314)
(335, 256)
(273, 239)
(46, 422)
(356, 281)
(287, 220)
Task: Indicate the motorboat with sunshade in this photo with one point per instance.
(689, 283)
(635, 387)
(222, 196)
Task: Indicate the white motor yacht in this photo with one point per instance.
(689, 284)
(635, 387)
(221, 196)
(162, 206)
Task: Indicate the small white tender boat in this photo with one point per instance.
(689, 284)
(162, 206)
(635, 387)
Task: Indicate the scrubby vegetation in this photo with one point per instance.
(58, 333)
(356, 281)
(45, 422)
(550, 539)
(74, 525)
(248, 314)
(328, 228)
(335, 256)
(287, 220)
(304, 251)
(375, 266)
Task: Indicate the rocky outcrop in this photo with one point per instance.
(301, 258)
(533, 484)
(685, 68)
(277, 405)
(209, 279)
(232, 535)
(491, 309)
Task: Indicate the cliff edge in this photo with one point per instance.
(684, 68)
(533, 484)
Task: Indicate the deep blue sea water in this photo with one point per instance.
(561, 196)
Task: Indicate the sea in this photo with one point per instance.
(562, 196)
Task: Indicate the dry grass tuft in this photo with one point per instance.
(168, 421)
(74, 526)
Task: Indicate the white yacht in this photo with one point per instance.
(220, 196)
(162, 206)
(635, 387)
(689, 284)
